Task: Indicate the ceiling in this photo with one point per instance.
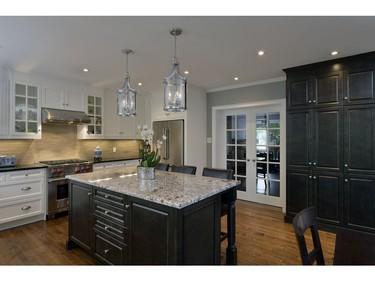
(214, 49)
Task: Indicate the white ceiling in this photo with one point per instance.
(214, 49)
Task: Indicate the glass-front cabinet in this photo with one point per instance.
(25, 110)
(94, 110)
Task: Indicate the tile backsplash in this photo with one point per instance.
(60, 142)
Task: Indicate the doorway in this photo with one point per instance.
(250, 141)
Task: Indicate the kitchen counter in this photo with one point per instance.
(105, 159)
(172, 220)
(171, 189)
(22, 167)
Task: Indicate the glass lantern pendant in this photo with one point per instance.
(175, 86)
(126, 95)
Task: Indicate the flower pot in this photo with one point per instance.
(146, 173)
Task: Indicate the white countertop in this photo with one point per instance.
(171, 189)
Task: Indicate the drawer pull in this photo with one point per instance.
(106, 196)
(106, 227)
(106, 251)
(106, 212)
(127, 206)
(89, 193)
(25, 208)
(26, 188)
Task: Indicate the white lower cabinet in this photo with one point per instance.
(22, 197)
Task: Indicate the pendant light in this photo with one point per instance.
(175, 85)
(126, 95)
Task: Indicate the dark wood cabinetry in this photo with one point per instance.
(331, 141)
(121, 229)
(80, 216)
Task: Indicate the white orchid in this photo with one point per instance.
(149, 158)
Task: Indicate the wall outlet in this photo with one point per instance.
(114, 149)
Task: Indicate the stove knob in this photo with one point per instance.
(60, 171)
(54, 172)
(88, 169)
(77, 170)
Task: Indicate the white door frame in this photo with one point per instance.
(218, 137)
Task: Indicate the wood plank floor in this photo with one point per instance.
(262, 238)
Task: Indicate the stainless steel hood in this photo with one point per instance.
(51, 115)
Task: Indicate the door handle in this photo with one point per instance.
(166, 147)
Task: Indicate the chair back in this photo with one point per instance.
(162, 167)
(304, 220)
(218, 173)
(184, 169)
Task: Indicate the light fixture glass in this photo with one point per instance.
(126, 95)
(175, 86)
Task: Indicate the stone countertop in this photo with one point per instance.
(171, 189)
(22, 167)
(105, 159)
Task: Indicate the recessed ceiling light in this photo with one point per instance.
(85, 70)
(139, 84)
(334, 53)
(186, 71)
(260, 53)
(236, 78)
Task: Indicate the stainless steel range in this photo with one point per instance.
(58, 189)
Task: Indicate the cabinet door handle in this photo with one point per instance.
(26, 188)
(346, 165)
(106, 212)
(106, 196)
(106, 251)
(25, 208)
(89, 193)
(127, 206)
(345, 98)
(314, 164)
(346, 180)
(106, 227)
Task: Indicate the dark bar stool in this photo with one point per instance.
(184, 169)
(162, 167)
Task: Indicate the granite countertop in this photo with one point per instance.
(171, 189)
(22, 167)
(105, 159)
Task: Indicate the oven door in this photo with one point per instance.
(58, 196)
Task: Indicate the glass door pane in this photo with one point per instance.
(236, 147)
(268, 153)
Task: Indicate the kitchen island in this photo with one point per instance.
(174, 219)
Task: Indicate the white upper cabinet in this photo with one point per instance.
(25, 110)
(63, 98)
(4, 108)
(121, 127)
(94, 107)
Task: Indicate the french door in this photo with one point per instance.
(254, 152)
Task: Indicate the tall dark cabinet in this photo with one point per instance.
(331, 141)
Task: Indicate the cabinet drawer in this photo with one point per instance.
(25, 175)
(110, 198)
(109, 250)
(21, 190)
(21, 209)
(111, 213)
(110, 228)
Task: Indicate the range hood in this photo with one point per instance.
(51, 115)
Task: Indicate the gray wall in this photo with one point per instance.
(256, 93)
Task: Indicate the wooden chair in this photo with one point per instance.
(304, 220)
(162, 167)
(184, 169)
(222, 174)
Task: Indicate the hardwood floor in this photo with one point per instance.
(262, 238)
